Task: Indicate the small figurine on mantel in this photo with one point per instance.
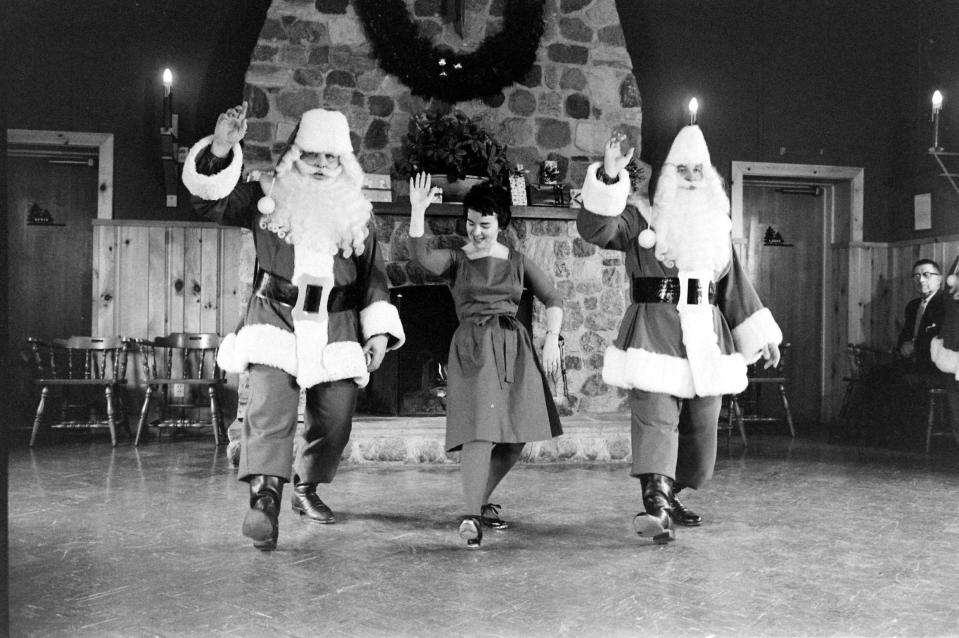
(319, 317)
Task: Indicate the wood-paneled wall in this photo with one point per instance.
(154, 278)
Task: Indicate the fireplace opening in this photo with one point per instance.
(412, 380)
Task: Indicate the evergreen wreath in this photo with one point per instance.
(500, 60)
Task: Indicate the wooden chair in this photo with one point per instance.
(746, 407)
(937, 416)
(89, 373)
(182, 367)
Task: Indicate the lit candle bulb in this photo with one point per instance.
(167, 98)
(693, 109)
(936, 107)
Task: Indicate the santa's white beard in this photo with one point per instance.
(324, 216)
(693, 230)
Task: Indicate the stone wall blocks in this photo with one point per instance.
(338, 77)
(396, 272)
(259, 103)
(551, 75)
(601, 14)
(336, 7)
(582, 248)
(259, 132)
(612, 35)
(577, 106)
(572, 319)
(552, 133)
(307, 32)
(534, 78)
(346, 30)
(572, 79)
(515, 131)
(592, 342)
(264, 53)
(358, 118)
(319, 57)
(268, 75)
(522, 102)
(550, 104)
(337, 97)
(594, 386)
(311, 77)
(293, 104)
(376, 162)
(273, 30)
(377, 135)
(567, 53)
(370, 81)
(571, 6)
(575, 30)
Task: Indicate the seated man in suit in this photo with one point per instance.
(897, 402)
(924, 316)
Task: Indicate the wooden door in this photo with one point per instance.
(49, 284)
(789, 279)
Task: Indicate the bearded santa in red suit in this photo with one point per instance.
(319, 317)
(694, 323)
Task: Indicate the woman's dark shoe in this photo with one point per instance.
(656, 522)
(489, 516)
(682, 515)
(262, 521)
(471, 531)
(306, 503)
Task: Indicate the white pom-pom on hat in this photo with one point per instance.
(647, 238)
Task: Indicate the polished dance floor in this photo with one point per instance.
(802, 538)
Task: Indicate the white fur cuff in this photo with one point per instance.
(607, 200)
(212, 187)
(945, 359)
(382, 317)
(258, 343)
(755, 332)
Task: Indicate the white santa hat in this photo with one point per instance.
(323, 131)
(689, 148)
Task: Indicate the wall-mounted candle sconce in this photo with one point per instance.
(693, 110)
(169, 130)
(937, 152)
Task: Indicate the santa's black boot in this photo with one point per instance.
(656, 522)
(682, 515)
(262, 521)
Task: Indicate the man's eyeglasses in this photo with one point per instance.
(924, 275)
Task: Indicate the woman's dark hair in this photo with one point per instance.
(488, 199)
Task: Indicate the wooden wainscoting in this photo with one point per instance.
(152, 278)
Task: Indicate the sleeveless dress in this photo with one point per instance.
(496, 387)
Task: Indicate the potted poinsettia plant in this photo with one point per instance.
(453, 146)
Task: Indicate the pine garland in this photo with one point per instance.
(499, 61)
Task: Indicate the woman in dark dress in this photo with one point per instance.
(497, 394)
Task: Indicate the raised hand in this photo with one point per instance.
(230, 129)
(421, 191)
(613, 159)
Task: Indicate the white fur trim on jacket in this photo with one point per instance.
(212, 187)
(713, 372)
(382, 317)
(945, 359)
(607, 200)
(258, 343)
(268, 345)
(641, 369)
(755, 332)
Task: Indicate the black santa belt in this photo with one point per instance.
(668, 290)
(281, 290)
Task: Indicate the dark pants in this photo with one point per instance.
(270, 425)
(674, 437)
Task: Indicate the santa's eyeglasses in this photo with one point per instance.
(919, 276)
(319, 159)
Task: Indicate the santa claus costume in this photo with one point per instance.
(320, 292)
(694, 323)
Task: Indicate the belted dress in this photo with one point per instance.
(497, 389)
